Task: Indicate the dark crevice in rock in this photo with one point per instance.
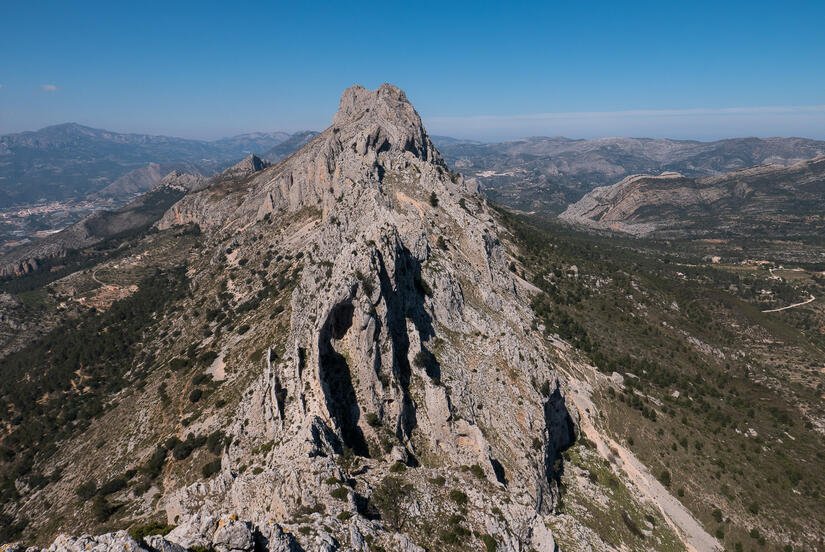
(498, 469)
(336, 379)
(560, 434)
(404, 300)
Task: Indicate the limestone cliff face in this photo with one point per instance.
(410, 339)
(642, 204)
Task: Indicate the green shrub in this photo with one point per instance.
(398, 467)
(388, 497)
(141, 488)
(458, 497)
(86, 490)
(339, 493)
(438, 480)
(372, 419)
(154, 465)
(242, 329)
(215, 442)
(138, 532)
(489, 543)
(195, 395)
(113, 486)
(201, 378)
(101, 509)
(182, 450)
(476, 470)
(211, 468)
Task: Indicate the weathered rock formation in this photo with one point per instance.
(406, 315)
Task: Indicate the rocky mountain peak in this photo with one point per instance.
(249, 165)
(181, 180)
(382, 119)
(252, 163)
(401, 280)
(388, 101)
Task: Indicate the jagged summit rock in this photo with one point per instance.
(383, 118)
(373, 132)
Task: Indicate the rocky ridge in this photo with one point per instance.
(546, 175)
(402, 255)
(409, 349)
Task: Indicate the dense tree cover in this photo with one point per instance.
(58, 383)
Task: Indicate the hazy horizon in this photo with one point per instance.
(440, 126)
(472, 71)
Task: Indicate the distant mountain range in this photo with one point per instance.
(541, 174)
(546, 174)
(763, 201)
(70, 161)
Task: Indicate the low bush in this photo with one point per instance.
(195, 395)
(211, 468)
(86, 490)
(339, 493)
(138, 532)
(458, 497)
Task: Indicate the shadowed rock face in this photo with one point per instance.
(734, 202)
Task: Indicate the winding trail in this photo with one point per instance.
(811, 300)
(686, 527)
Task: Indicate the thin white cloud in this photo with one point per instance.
(1, 86)
(703, 123)
(49, 87)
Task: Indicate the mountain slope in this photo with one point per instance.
(101, 225)
(141, 180)
(782, 201)
(546, 174)
(69, 161)
(289, 146)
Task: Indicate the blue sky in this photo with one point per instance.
(481, 70)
